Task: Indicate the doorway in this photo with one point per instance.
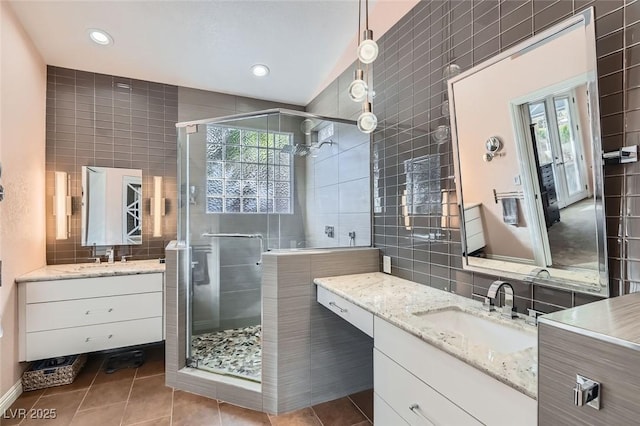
(559, 147)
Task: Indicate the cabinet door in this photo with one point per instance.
(416, 402)
(79, 340)
(98, 310)
(384, 414)
(84, 288)
(348, 311)
(466, 386)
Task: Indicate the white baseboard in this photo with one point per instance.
(10, 396)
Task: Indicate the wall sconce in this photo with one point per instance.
(493, 145)
(62, 205)
(450, 213)
(405, 210)
(157, 206)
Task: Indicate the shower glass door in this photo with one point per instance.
(231, 195)
(252, 183)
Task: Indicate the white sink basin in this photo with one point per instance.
(477, 330)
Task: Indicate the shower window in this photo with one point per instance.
(247, 172)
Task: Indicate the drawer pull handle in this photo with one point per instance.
(95, 311)
(342, 310)
(415, 408)
(89, 339)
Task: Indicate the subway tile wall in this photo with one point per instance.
(339, 177)
(108, 121)
(408, 80)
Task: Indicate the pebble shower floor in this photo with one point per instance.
(235, 352)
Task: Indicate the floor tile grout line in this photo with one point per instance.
(173, 398)
(129, 396)
(317, 417)
(145, 421)
(359, 409)
(88, 389)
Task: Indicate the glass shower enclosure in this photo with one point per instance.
(244, 188)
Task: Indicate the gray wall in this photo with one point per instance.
(92, 121)
(410, 92)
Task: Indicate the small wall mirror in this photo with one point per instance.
(111, 206)
(537, 214)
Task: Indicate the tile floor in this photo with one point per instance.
(139, 397)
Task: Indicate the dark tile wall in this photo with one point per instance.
(408, 80)
(108, 121)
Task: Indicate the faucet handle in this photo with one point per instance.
(510, 312)
(532, 317)
(488, 304)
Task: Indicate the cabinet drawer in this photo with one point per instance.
(384, 414)
(357, 316)
(402, 390)
(475, 242)
(474, 227)
(77, 340)
(471, 214)
(456, 380)
(75, 313)
(83, 288)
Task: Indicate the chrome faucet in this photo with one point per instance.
(110, 255)
(537, 273)
(508, 310)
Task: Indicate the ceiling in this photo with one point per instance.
(202, 44)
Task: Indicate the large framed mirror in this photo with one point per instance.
(526, 133)
(111, 206)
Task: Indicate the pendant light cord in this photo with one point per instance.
(366, 13)
(359, 16)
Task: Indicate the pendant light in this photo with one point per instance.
(367, 49)
(359, 90)
(367, 121)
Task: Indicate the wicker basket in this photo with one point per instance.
(52, 372)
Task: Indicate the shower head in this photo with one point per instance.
(297, 150)
(301, 150)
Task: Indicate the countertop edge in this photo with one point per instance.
(391, 319)
(73, 276)
(589, 333)
(71, 271)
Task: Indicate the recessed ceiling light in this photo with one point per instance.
(100, 37)
(260, 70)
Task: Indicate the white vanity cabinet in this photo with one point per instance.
(426, 386)
(79, 315)
(348, 311)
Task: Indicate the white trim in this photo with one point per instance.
(10, 396)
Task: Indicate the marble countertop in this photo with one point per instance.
(396, 300)
(613, 320)
(92, 270)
